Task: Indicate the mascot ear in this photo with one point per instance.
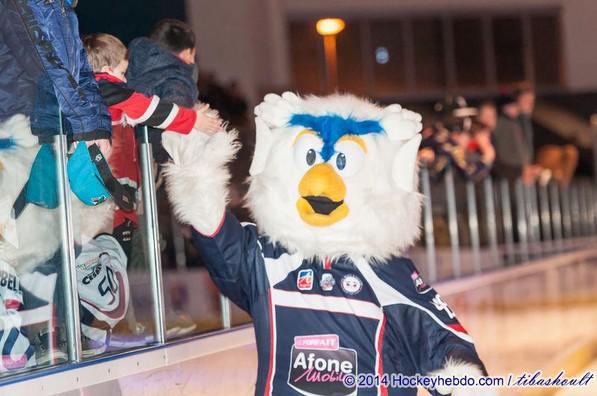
(263, 143)
(404, 168)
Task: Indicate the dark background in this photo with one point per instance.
(126, 19)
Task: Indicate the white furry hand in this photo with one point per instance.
(197, 177)
(276, 110)
(401, 124)
(459, 369)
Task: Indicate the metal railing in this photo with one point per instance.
(496, 223)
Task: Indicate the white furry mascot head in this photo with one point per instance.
(336, 175)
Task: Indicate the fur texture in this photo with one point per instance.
(384, 217)
(197, 177)
(455, 368)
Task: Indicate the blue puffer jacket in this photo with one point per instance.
(155, 71)
(45, 68)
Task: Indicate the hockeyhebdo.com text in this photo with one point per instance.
(525, 380)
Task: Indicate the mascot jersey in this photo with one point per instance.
(316, 322)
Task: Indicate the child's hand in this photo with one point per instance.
(207, 122)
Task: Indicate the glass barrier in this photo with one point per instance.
(33, 251)
(113, 271)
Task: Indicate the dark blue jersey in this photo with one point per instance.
(317, 322)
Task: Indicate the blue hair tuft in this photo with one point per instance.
(332, 127)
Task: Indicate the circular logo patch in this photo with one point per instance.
(351, 284)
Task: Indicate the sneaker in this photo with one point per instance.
(179, 324)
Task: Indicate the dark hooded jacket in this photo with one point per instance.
(45, 70)
(153, 70)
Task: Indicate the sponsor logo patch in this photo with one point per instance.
(420, 284)
(318, 366)
(351, 284)
(305, 279)
(327, 282)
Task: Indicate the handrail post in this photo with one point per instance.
(566, 212)
(428, 225)
(152, 234)
(545, 214)
(473, 225)
(556, 214)
(491, 220)
(68, 273)
(453, 222)
(521, 220)
(583, 209)
(226, 314)
(532, 216)
(507, 220)
(575, 211)
(590, 206)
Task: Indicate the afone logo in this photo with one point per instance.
(318, 366)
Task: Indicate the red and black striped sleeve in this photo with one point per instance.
(145, 110)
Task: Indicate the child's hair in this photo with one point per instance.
(174, 35)
(103, 49)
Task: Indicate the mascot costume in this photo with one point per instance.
(333, 193)
(31, 306)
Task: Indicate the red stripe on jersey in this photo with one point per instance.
(458, 328)
(383, 389)
(183, 122)
(272, 347)
(327, 264)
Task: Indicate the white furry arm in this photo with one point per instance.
(459, 369)
(197, 177)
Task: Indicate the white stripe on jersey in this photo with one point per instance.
(363, 309)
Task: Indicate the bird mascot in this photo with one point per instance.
(31, 296)
(336, 307)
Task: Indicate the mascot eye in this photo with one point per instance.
(349, 158)
(311, 157)
(341, 161)
(306, 151)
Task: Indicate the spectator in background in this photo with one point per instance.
(558, 161)
(513, 154)
(456, 139)
(487, 115)
(561, 161)
(525, 99)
